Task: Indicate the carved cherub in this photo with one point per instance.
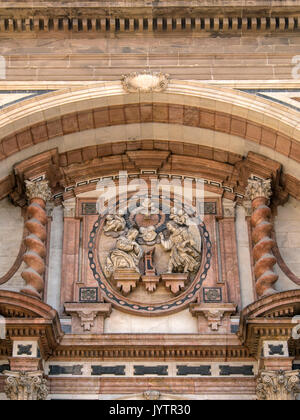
(114, 223)
(148, 233)
(178, 216)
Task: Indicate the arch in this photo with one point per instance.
(186, 103)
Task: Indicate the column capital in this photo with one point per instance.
(277, 385)
(25, 385)
(258, 188)
(39, 189)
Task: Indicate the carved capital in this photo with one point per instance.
(248, 208)
(258, 188)
(38, 189)
(69, 207)
(228, 208)
(25, 385)
(277, 385)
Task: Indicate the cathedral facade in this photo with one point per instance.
(150, 200)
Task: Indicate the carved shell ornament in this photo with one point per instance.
(145, 82)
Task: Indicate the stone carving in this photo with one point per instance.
(114, 223)
(151, 395)
(172, 239)
(178, 216)
(184, 257)
(258, 188)
(150, 279)
(88, 317)
(147, 207)
(277, 385)
(38, 189)
(228, 208)
(38, 193)
(148, 234)
(259, 191)
(145, 82)
(25, 385)
(126, 255)
(69, 207)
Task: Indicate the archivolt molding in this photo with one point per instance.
(227, 101)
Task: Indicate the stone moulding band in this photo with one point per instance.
(163, 24)
(156, 309)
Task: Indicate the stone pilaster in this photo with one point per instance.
(38, 193)
(259, 192)
(277, 385)
(25, 385)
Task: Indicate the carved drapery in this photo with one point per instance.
(25, 385)
(38, 194)
(259, 192)
(277, 385)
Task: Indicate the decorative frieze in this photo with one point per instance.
(277, 385)
(25, 385)
(166, 23)
(259, 192)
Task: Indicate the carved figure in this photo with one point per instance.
(148, 233)
(184, 257)
(126, 255)
(178, 216)
(114, 223)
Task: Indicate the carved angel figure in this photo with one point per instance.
(178, 216)
(126, 255)
(114, 223)
(148, 233)
(184, 257)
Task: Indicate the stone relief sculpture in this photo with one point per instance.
(174, 263)
(184, 257)
(178, 216)
(126, 255)
(114, 223)
(148, 234)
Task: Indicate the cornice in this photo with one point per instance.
(150, 16)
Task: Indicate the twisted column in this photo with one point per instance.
(259, 192)
(38, 193)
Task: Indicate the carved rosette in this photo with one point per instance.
(25, 385)
(259, 192)
(277, 385)
(38, 193)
